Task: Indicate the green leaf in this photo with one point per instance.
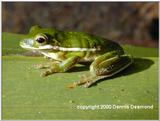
(140, 51)
(10, 44)
(26, 95)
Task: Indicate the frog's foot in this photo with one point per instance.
(51, 70)
(46, 65)
(83, 81)
(47, 72)
(86, 81)
(41, 66)
(93, 81)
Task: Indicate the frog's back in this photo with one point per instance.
(88, 41)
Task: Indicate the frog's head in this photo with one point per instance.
(40, 39)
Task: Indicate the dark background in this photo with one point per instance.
(133, 23)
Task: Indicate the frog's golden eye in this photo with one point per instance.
(41, 39)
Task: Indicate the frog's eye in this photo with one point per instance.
(41, 39)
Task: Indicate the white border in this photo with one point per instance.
(159, 66)
(1, 62)
(70, 1)
(80, 0)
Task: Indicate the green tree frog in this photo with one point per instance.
(69, 48)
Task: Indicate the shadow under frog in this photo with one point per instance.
(140, 64)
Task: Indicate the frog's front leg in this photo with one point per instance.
(62, 67)
(104, 66)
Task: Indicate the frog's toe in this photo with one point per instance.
(87, 84)
(78, 83)
(38, 66)
(43, 74)
(41, 66)
(72, 86)
(46, 73)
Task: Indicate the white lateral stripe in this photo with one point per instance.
(46, 47)
(77, 49)
(67, 49)
(59, 48)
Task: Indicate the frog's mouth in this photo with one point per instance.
(44, 47)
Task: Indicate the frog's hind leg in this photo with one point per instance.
(108, 65)
(105, 66)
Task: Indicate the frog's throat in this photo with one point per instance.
(49, 47)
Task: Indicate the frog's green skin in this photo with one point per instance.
(70, 48)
